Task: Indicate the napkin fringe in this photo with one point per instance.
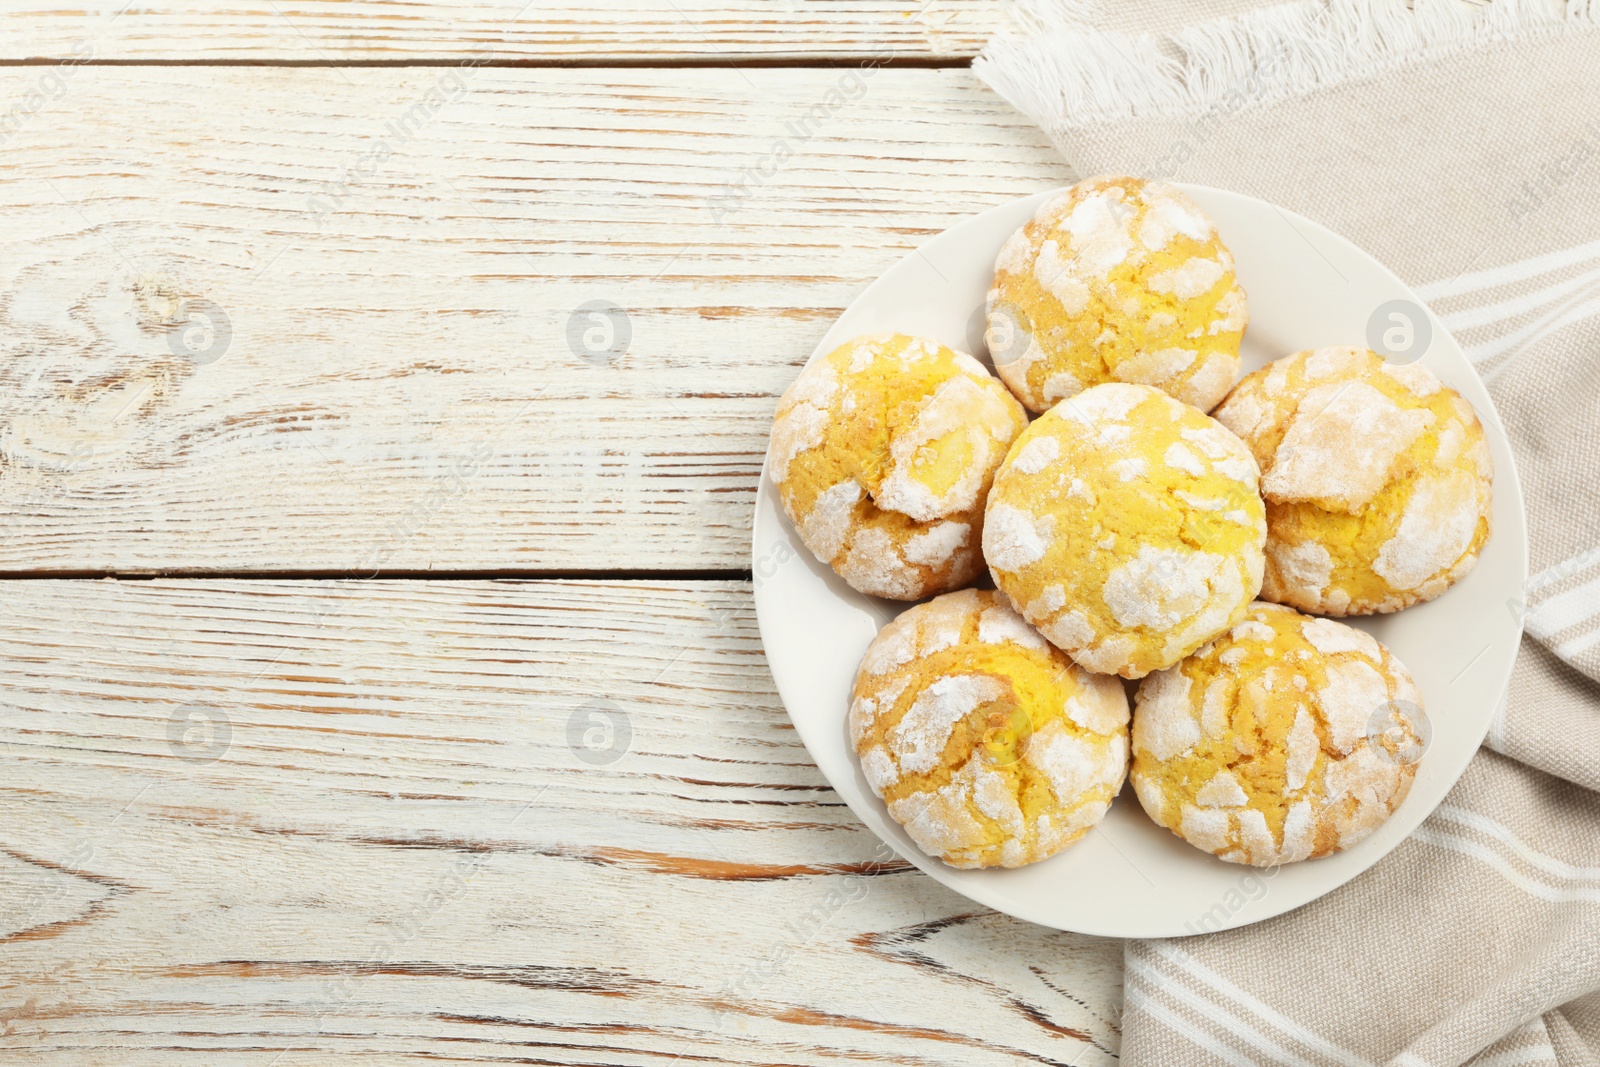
(1060, 72)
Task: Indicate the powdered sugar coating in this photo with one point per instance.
(879, 769)
(1329, 638)
(1286, 738)
(1119, 279)
(1037, 454)
(873, 563)
(1014, 538)
(1193, 278)
(883, 451)
(938, 543)
(1306, 566)
(1164, 726)
(1222, 791)
(1341, 442)
(987, 744)
(1177, 455)
(1000, 624)
(1436, 529)
(827, 525)
(1160, 587)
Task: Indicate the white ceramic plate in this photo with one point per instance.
(1308, 288)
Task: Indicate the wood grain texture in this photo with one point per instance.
(399, 256)
(342, 31)
(288, 822)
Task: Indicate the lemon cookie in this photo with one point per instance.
(1127, 527)
(988, 745)
(1377, 480)
(1117, 279)
(1286, 738)
(882, 452)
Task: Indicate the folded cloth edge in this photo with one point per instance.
(1061, 72)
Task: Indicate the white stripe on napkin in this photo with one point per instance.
(1576, 645)
(1562, 316)
(1565, 569)
(1565, 610)
(1509, 273)
(1216, 1013)
(1454, 843)
(1466, 817)
(1259, 1008)
(1141, 1002)
(1518, 1057)
(1490, 314)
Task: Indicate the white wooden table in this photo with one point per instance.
(380, 682)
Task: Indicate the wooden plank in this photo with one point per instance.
(342, 31)
(275, 822)
(402, 383)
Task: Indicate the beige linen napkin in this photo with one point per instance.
(1460, 144)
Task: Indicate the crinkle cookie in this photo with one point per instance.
(1127, 527)
(1117, 279)
(882, 452)
(1286, 738)
(990, 747)
(1377, 480)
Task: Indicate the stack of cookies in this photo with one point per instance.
(1157, 522)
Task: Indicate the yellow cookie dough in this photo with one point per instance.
(1127, 527)
(1116, 279)
(990, 747)
(1377, 480)
(1284, 739)
(882, 452)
